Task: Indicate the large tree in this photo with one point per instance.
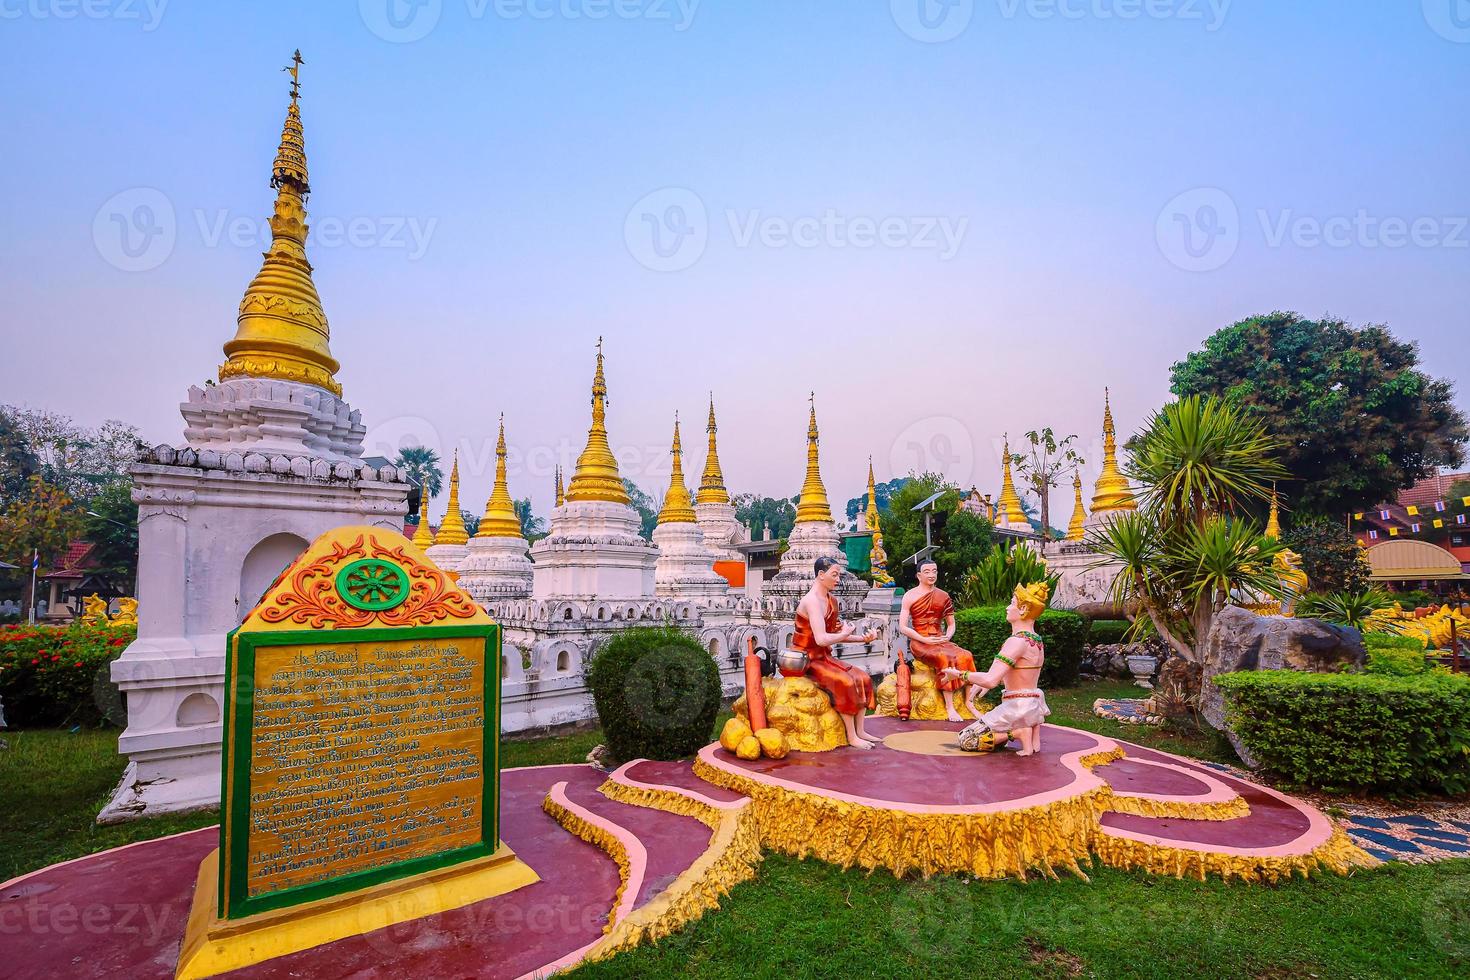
(883, 491)
(1041, 467)
(1356, 418)
(962, 538)
(17, 463)
(645, 505)
(74, 458)
(111, 523)
(755, 511)
(423, 466)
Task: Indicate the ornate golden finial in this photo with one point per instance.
(1112, 492)
(1010, 511)
(1273, 523)
(1079, 515)
(561, 494)
(678, 508)
(500, 520)
(596, 476)
(877, 557)
(282, 329)
(712, 484)
(812, 505)
(452, 529)
(422, 536)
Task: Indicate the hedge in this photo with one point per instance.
(1394, 655)
(1108, 631)
(657, 692)
(60, 675)
(982, 630)
(1355, 732)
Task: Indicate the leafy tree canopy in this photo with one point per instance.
(111, 524)
(73, 458)
(645, 505)
(1359, 421)
(533, 527)
(17, 463)
(755, 511)
(43, 519)
(1330, 555)
(962, 538)
(883, 491)
(423, 466)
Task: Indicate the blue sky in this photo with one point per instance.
(946, 239)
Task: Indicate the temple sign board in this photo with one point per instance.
(360, 756)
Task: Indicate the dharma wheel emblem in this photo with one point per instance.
(372, 584)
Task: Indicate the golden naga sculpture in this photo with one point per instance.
(1078, 527)
(94, 610)
(282, 329)
(712, 483)
(678, 507)
(1112, 492)
(596, 476)
(127, 612)
(499, 519)
(1010, 510)
(812, 504)
(1288, 568)
(877, 557)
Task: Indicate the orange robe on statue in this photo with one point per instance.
(928, 614)
(851, 689)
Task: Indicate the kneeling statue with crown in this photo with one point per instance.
(1017, 666)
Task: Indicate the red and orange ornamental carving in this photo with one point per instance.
(359, 581)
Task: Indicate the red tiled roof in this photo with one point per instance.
(1429, 489)
(75, 562)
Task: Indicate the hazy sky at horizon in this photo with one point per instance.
(945, 239)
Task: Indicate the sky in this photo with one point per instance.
(950, 219)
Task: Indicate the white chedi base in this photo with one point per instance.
(721, 530)
(449, 557)
(685, 567)
(809, 541)
(267, 416)
(594, 551)
(496, 568)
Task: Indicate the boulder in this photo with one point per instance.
(1241, 640)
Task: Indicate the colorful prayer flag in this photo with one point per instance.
(1393, 532)
(1438, 522)
(1358, 516)
(1459, 518)
(1439, 506)
(1373, 534)
(1412, 510)
(1383, 515)
(1415, 527)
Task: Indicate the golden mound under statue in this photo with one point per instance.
(800, 710)
(927, 701)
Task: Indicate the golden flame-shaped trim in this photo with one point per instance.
(1112, 492)
(596, 476)
(712, 483)
(812, 505)
(678, 508)
(1079, 514)
(500, 520)
(452, 529)
(1010, 510)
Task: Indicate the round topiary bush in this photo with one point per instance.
(657, 693)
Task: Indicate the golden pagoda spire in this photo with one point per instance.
(677, 508)
(422, 536)
(877, 557)
(1079, 514)
(1010, 511)
(561, 494)
(1273, 523)
(1112, 492)
(812, 505)
(712, 484)
(282, 330)
(500, 520)
(596, 476)
(452, 529)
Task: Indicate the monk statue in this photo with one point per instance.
(818, 630)
(927, 619)
(1017, 666)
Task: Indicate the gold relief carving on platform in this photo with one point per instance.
(363, 755)
(311, 597)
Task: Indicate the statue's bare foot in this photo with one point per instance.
(861, 744)
(871, 738)
(954, 715)
(1026, 752)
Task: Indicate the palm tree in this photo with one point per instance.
(1191, 549)
(421, 465)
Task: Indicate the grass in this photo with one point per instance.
(804, 919)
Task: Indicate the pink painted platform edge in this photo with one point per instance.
(1084, 780)
(1218, 791)
(622, 777)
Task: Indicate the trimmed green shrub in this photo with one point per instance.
(657, 692)
(60, 675)
(1392, 641)
(1393, 655)
(1355, 732)
(1108, 631)
(983, 629)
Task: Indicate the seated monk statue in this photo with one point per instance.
(927, 619)
(818, 630)
(1017, 666)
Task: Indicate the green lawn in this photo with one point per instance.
(807, 919)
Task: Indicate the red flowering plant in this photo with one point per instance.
(59, 675)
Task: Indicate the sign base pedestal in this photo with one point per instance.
(212, 946)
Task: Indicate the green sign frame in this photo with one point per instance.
(235, 773)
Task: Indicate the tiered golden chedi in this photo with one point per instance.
(1112, 492)
(452, 529)
(712, 483)
(1079, 513)
(813, 505)
(678, 506)
(1010, 511)
(500, 520)
(596, 476)
(877, 557)
(282, 329)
